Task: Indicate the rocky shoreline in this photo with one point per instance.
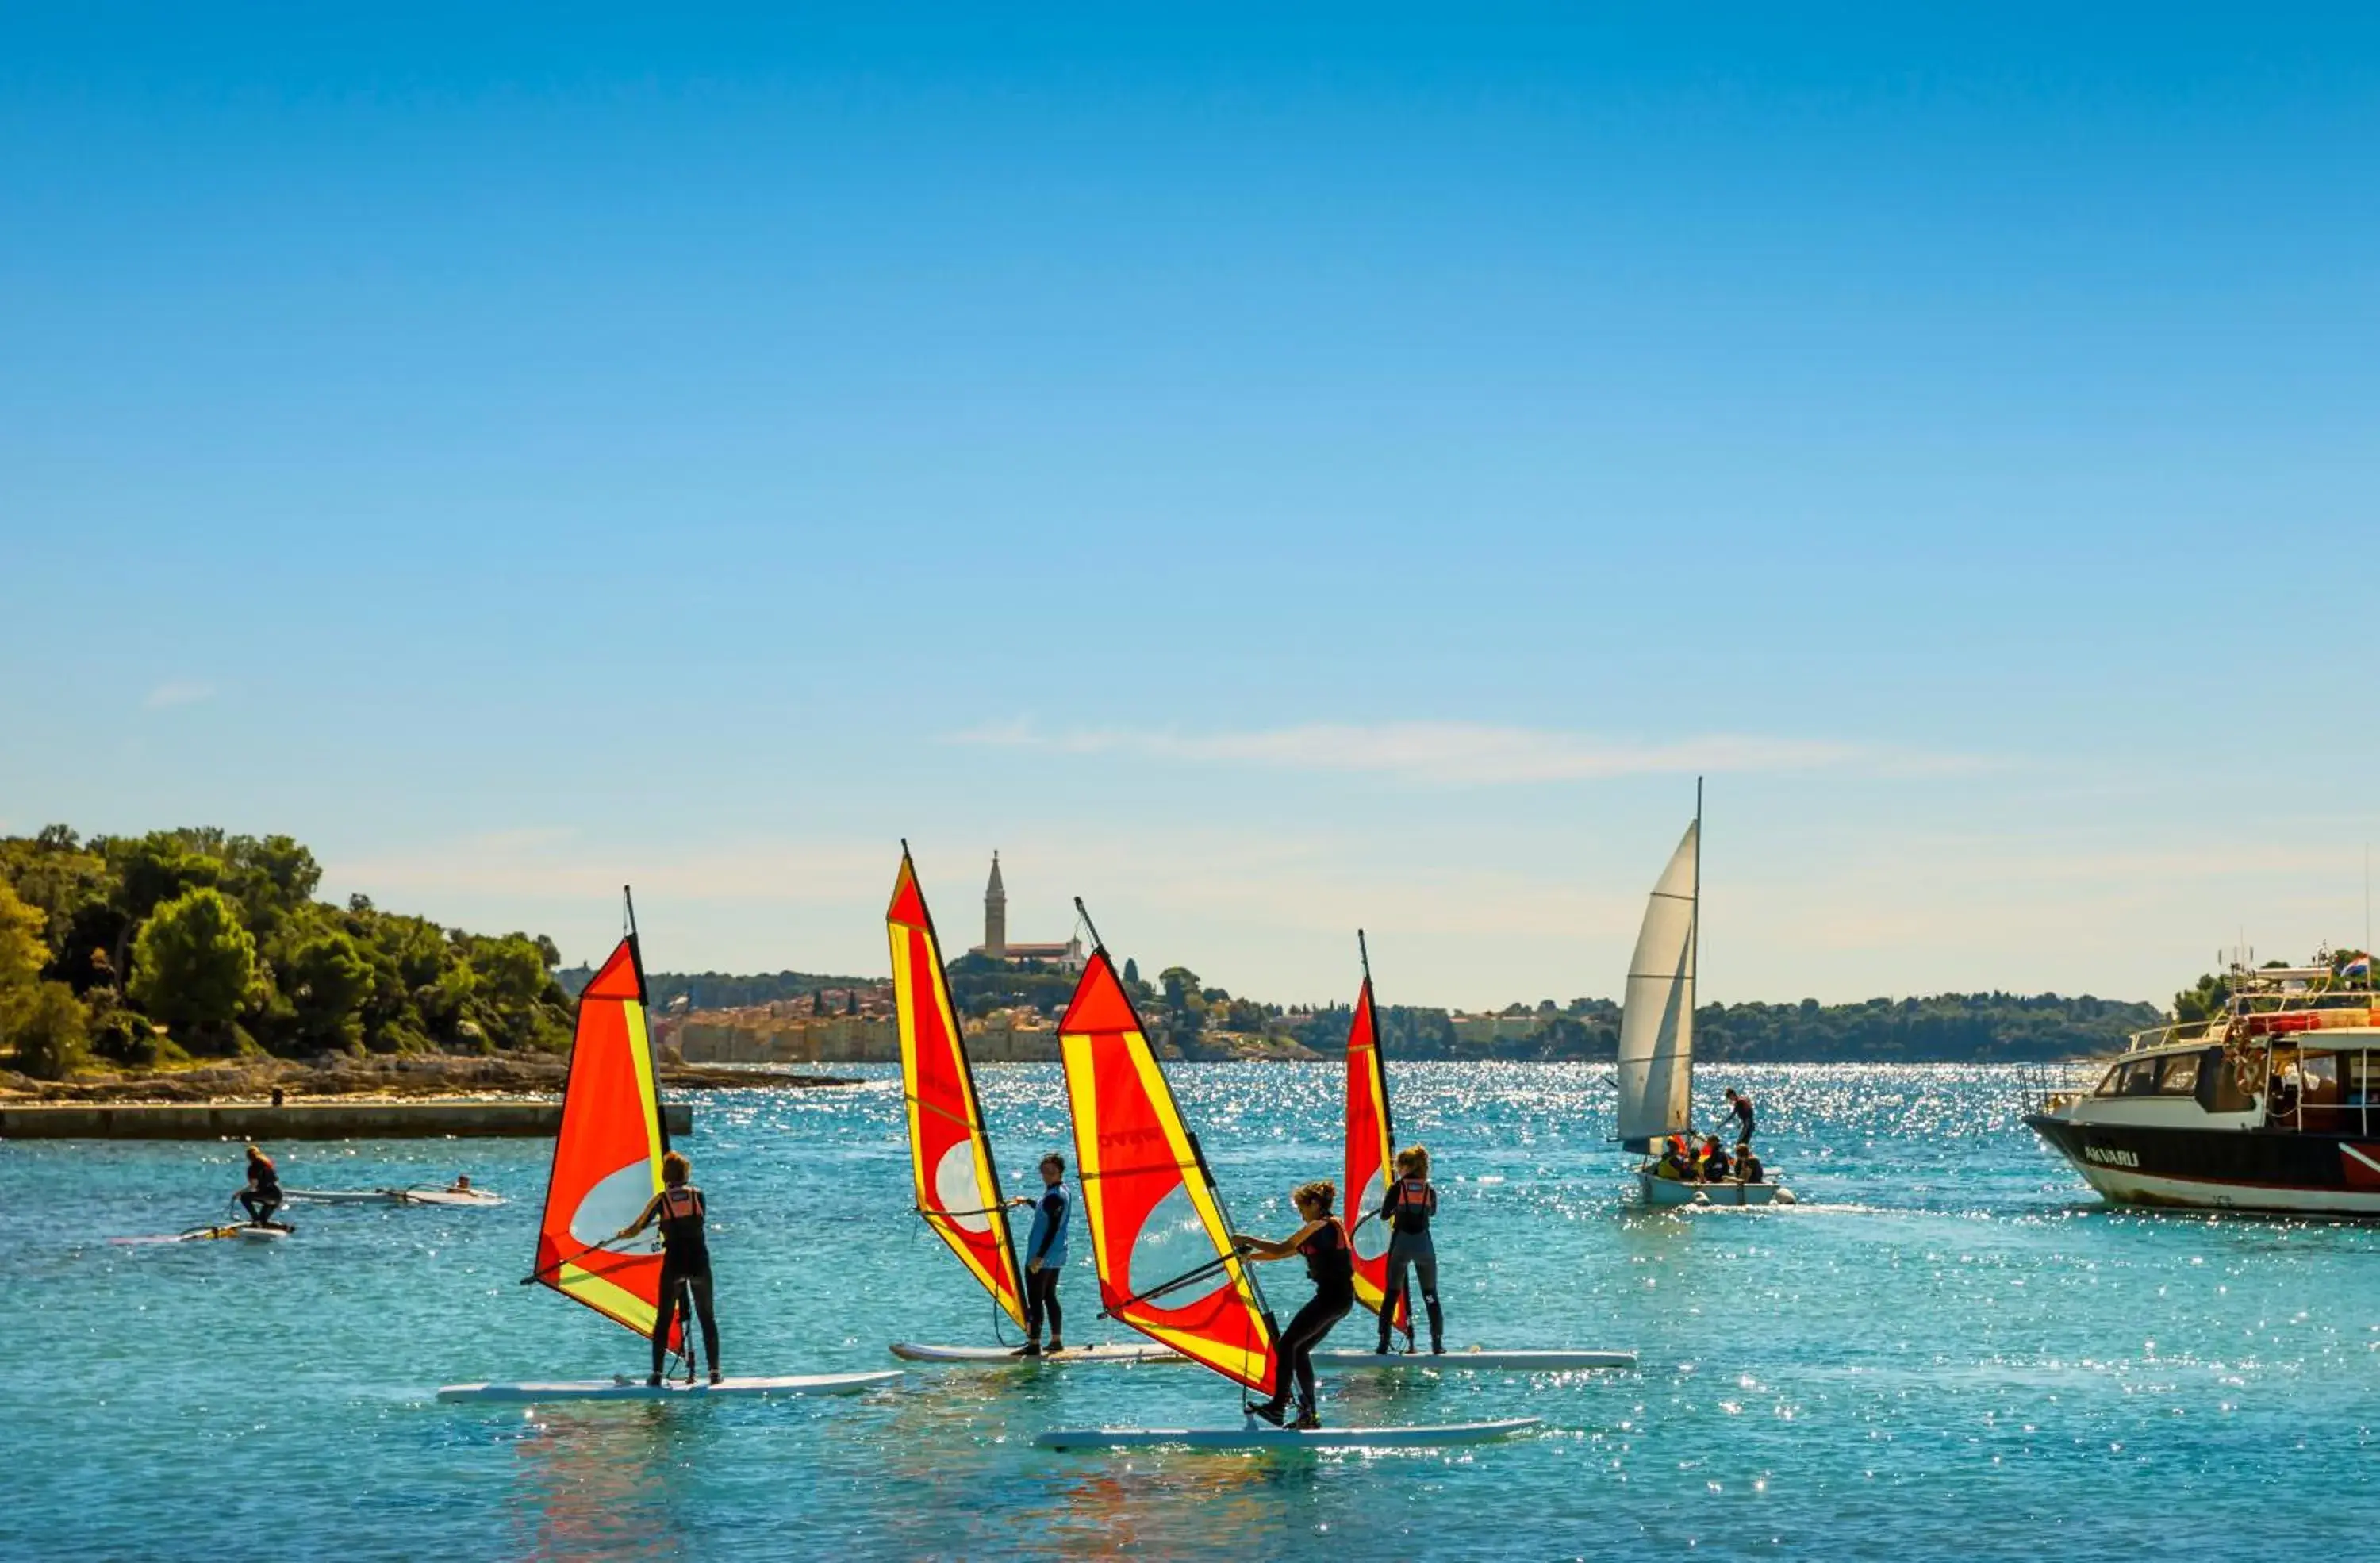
(405, 1077)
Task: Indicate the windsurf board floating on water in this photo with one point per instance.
(951, 1176)
(393, 1196)
(1259, 1435)
(1103, 1355)
(1486, 1361)
(637, 1389)
(1394, 1361)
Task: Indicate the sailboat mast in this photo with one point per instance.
(1695, 951)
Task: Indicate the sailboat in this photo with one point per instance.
(956, 1184)
(1656, 1032)
(1370, 1169)
(1161, 1242)
(607, 1165)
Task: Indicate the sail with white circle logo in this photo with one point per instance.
(607, 1157)
(950, 1154)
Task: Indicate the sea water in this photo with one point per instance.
(1949, 1346)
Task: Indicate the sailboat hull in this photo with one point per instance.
(1670, 1192)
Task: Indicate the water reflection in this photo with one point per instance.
(597, 1481)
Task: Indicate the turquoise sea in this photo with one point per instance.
(1950, 1347)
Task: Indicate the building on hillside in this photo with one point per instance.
(1066, 957)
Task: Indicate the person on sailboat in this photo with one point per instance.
(1741, 1105)
(686, 1259)
(1713, 1164)
(1407, 1208)
(1747, 1166)
(262, 1195)
(1331, 1264)
(1045, 1256)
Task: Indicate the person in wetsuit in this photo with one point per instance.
(1741, 1105)
(1045, 1256)
(1331, 1264)
(1407, 1209)
(262, 1195)
(686, 1259)
(1715, 1165)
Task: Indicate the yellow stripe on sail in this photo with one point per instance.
(608, 1299)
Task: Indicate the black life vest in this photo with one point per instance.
(1329, 1258)
(1412, 1202)
(682, 1243)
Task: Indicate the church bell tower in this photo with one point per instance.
(995, 915)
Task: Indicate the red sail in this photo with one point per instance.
(1152, 1209)
(1370, 1167)
(956, 1188)
(607, 1159)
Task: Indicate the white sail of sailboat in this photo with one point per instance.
(1657, 1025)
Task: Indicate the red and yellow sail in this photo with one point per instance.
(1369, 1165)
(1144, 1181)
(950, 1154)
(607, 1157)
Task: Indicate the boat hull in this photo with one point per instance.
(637, 1389)
(1258, 1436)
(1669, 1192)
(2272, 1172)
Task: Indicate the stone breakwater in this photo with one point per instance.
(403, 1076)
(348, 1120)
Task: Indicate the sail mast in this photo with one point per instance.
(1694, 953)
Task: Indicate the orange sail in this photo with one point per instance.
(950, 1154)
(1370, 1167)
(1162, 1248)
(607, 1159)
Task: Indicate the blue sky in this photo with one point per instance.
(1261, 475)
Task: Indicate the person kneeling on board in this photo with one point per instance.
(1331, 1264)
(262, 1195)
(1407, 1207)
(1045, 1256)
(686, 1259)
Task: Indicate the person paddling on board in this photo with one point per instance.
(262, 1195)
(1045, 1256)
(1741, 1105)
(1331, 1264)
(686, 1259)
(1407, 1208)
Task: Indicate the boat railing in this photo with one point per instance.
(2048, 1086)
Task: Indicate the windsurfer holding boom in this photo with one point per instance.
(1331, 1264)
(686, 1259)
(1045, 1256)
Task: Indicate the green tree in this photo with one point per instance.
(192, 963)
(22, 953)
(49, 1029)
(327, 980)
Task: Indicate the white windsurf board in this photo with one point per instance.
(623, 1388)
(1258, 1436)
(1480, 1361)
(1102, 1354)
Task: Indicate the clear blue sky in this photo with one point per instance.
(1262, 476)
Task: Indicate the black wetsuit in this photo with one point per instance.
(685, 1265)
(1041, 1285)
(1331, 1264)
(262, 1195)
(1407, 1208)
(1743, 1110)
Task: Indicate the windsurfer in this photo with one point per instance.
(686, 1259)
(1407, 1208)
(1045, 1256)
(1331, 1264)
(262, 1195)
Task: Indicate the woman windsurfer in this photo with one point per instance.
(1407, 1209)
(686, 1259)
(262, 1195)
(1331, 1264)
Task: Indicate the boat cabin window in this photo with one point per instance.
(2362, 1078)
(2180, 1075)
(2135, 1077)
(2318, 1079)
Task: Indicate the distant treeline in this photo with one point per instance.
(143, 948)
(722, 990)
